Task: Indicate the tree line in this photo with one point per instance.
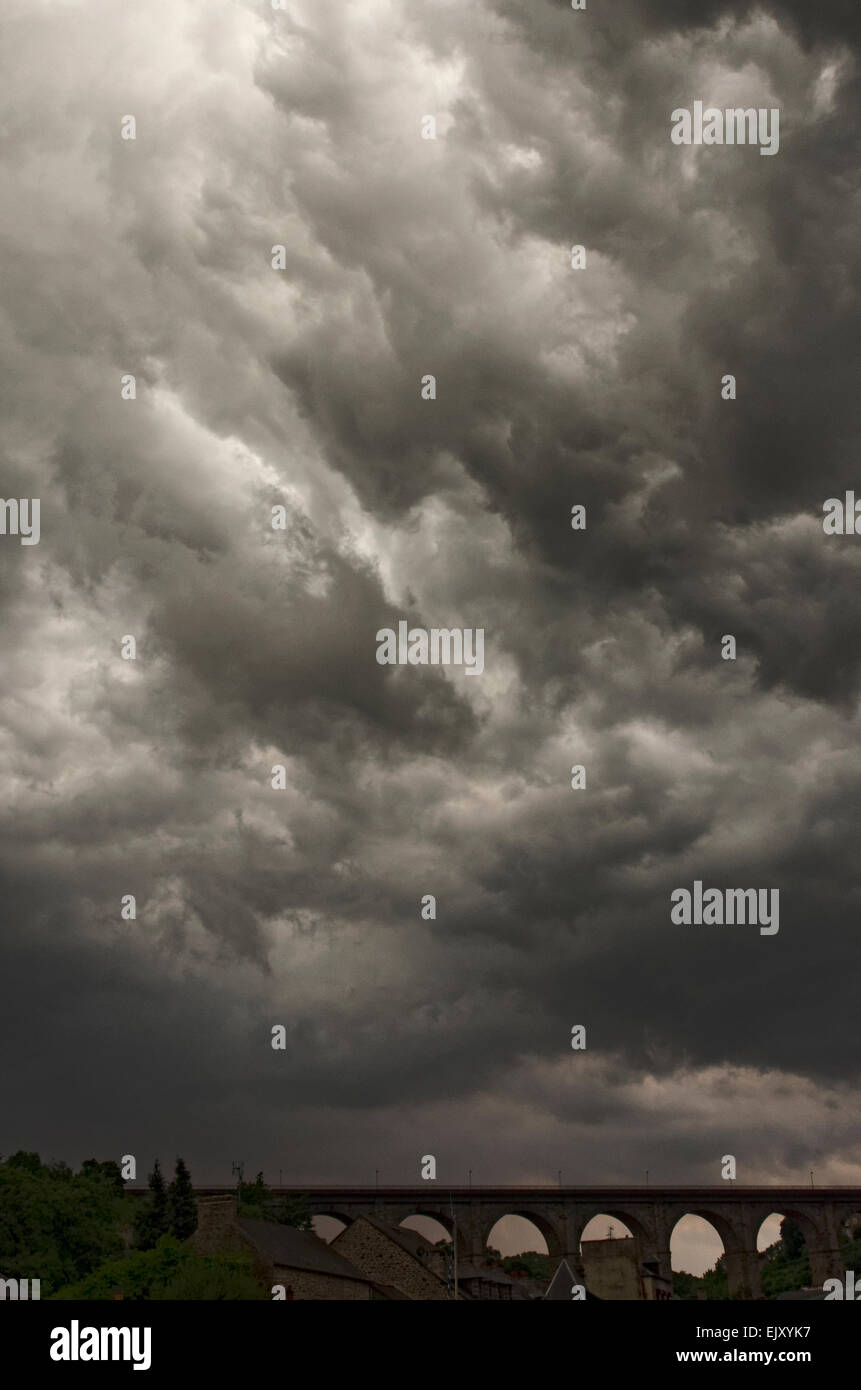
(84, 1237)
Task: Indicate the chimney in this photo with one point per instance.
(217, 1224)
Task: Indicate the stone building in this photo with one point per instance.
(483, 1282)
(394, 1257)
(305, 1265)
(614, 1268)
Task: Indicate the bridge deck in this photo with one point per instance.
(727, 1191)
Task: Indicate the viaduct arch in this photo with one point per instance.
(651, 1213)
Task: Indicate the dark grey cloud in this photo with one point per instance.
(256, 646)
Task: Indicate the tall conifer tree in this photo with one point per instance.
(182, 1208)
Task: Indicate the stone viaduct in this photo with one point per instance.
(650, 1213)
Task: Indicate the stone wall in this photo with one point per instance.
(380, 1258)
(322, 1287)
(614, 1268)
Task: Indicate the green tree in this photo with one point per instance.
(792, 1239)
(529, 1262)
(25, 1162)
(293, 1209)
(182, 1208)
(781, 1275)
(170, 1271)
(713, 1285)
(258, 1203)
(686, 1285)
(716, 1281)
(110, 1171)
(159, 1199)
(56, 1225)
(152, 1218)
(212, 1278)
(253, 1194)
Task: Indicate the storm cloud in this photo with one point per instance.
(301, 388)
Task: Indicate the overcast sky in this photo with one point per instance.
(258, 387)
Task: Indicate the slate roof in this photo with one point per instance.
(562, 1282)
(468, 1271)
(292, 1249)
(394, 1295)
